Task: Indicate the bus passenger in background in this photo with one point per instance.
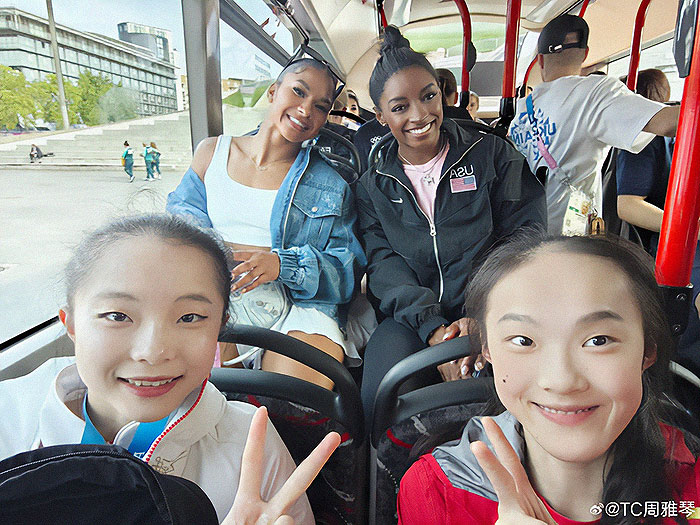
(450, 96)
(566, 124)
(146, 298)
(437, 200)
(579, 370)
(290, 219)
(473, 107)
(642, 180)
(353, 103)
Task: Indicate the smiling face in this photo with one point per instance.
(567, 353)
(301, 102)
(145, 323)
(411, 106)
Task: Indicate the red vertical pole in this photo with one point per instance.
(584, 6)
(382, 16)
(636, 47)
(466, 38)
(679, 230)
(512, 28)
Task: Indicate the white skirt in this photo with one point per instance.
(269, 306)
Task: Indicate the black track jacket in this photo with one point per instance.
(418, 270)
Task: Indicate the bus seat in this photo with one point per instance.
(335, 145)
(686, 389)
(401, 420)
(303, 413)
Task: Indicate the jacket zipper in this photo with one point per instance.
(433, 230)
(152, 449)
(296, 185)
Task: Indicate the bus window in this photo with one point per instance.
(123, 67)
(442, 45)
(247, 71)
(658, 56)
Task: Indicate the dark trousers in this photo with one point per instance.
(390, 343)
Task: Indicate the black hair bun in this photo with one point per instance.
(393, 39)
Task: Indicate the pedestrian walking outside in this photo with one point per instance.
(156, 160)
(128, 161)
(148, 159)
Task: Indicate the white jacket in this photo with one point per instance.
(203, 440)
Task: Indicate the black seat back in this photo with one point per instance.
(335, 145)
(400, 421)
(88, 484)
(303, 413)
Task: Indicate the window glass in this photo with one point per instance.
(260, 11)
(442, 45)
(48, 205)
(658, 56)
(247, 72)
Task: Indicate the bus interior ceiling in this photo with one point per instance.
(333, 24)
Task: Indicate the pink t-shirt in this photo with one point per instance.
(419, 174)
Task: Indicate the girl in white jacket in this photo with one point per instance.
(146, 300)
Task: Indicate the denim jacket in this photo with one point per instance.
(312, 225)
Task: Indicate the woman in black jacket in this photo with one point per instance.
(436, 200)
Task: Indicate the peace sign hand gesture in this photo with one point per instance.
(517, 501)
(248, 507)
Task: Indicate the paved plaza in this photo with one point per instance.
(43, 214)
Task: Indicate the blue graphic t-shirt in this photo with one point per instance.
(578, 118)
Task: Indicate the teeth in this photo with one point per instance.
(137, 382)
(553, 411)
(296, 122)
(421, 130)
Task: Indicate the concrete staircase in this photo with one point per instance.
(101, 147)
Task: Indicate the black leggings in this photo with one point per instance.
(390, 343)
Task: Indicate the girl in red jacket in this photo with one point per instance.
(575, 331)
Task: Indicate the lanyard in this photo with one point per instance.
(146, 434)
(541, 146)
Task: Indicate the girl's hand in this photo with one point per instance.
(517, 501)
(248, 507)
(261, 267)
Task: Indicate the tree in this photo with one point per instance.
(46, 100)
(16, 98)
(89, 91)
(117, 104)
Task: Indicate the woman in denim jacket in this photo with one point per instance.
(289, 218)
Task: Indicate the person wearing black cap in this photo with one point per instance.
(566, 124)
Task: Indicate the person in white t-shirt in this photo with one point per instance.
(577, 118)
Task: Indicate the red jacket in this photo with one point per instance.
(427, 497)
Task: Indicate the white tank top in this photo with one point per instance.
(239, 213)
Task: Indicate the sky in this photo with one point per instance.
(102, 16)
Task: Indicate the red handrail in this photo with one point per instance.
(584, 6)
(510, 58)
(466, 38)
(382, 15)
(679, 230)
(582, 12)
(636, 48)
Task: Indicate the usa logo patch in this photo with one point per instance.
(458, 185)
